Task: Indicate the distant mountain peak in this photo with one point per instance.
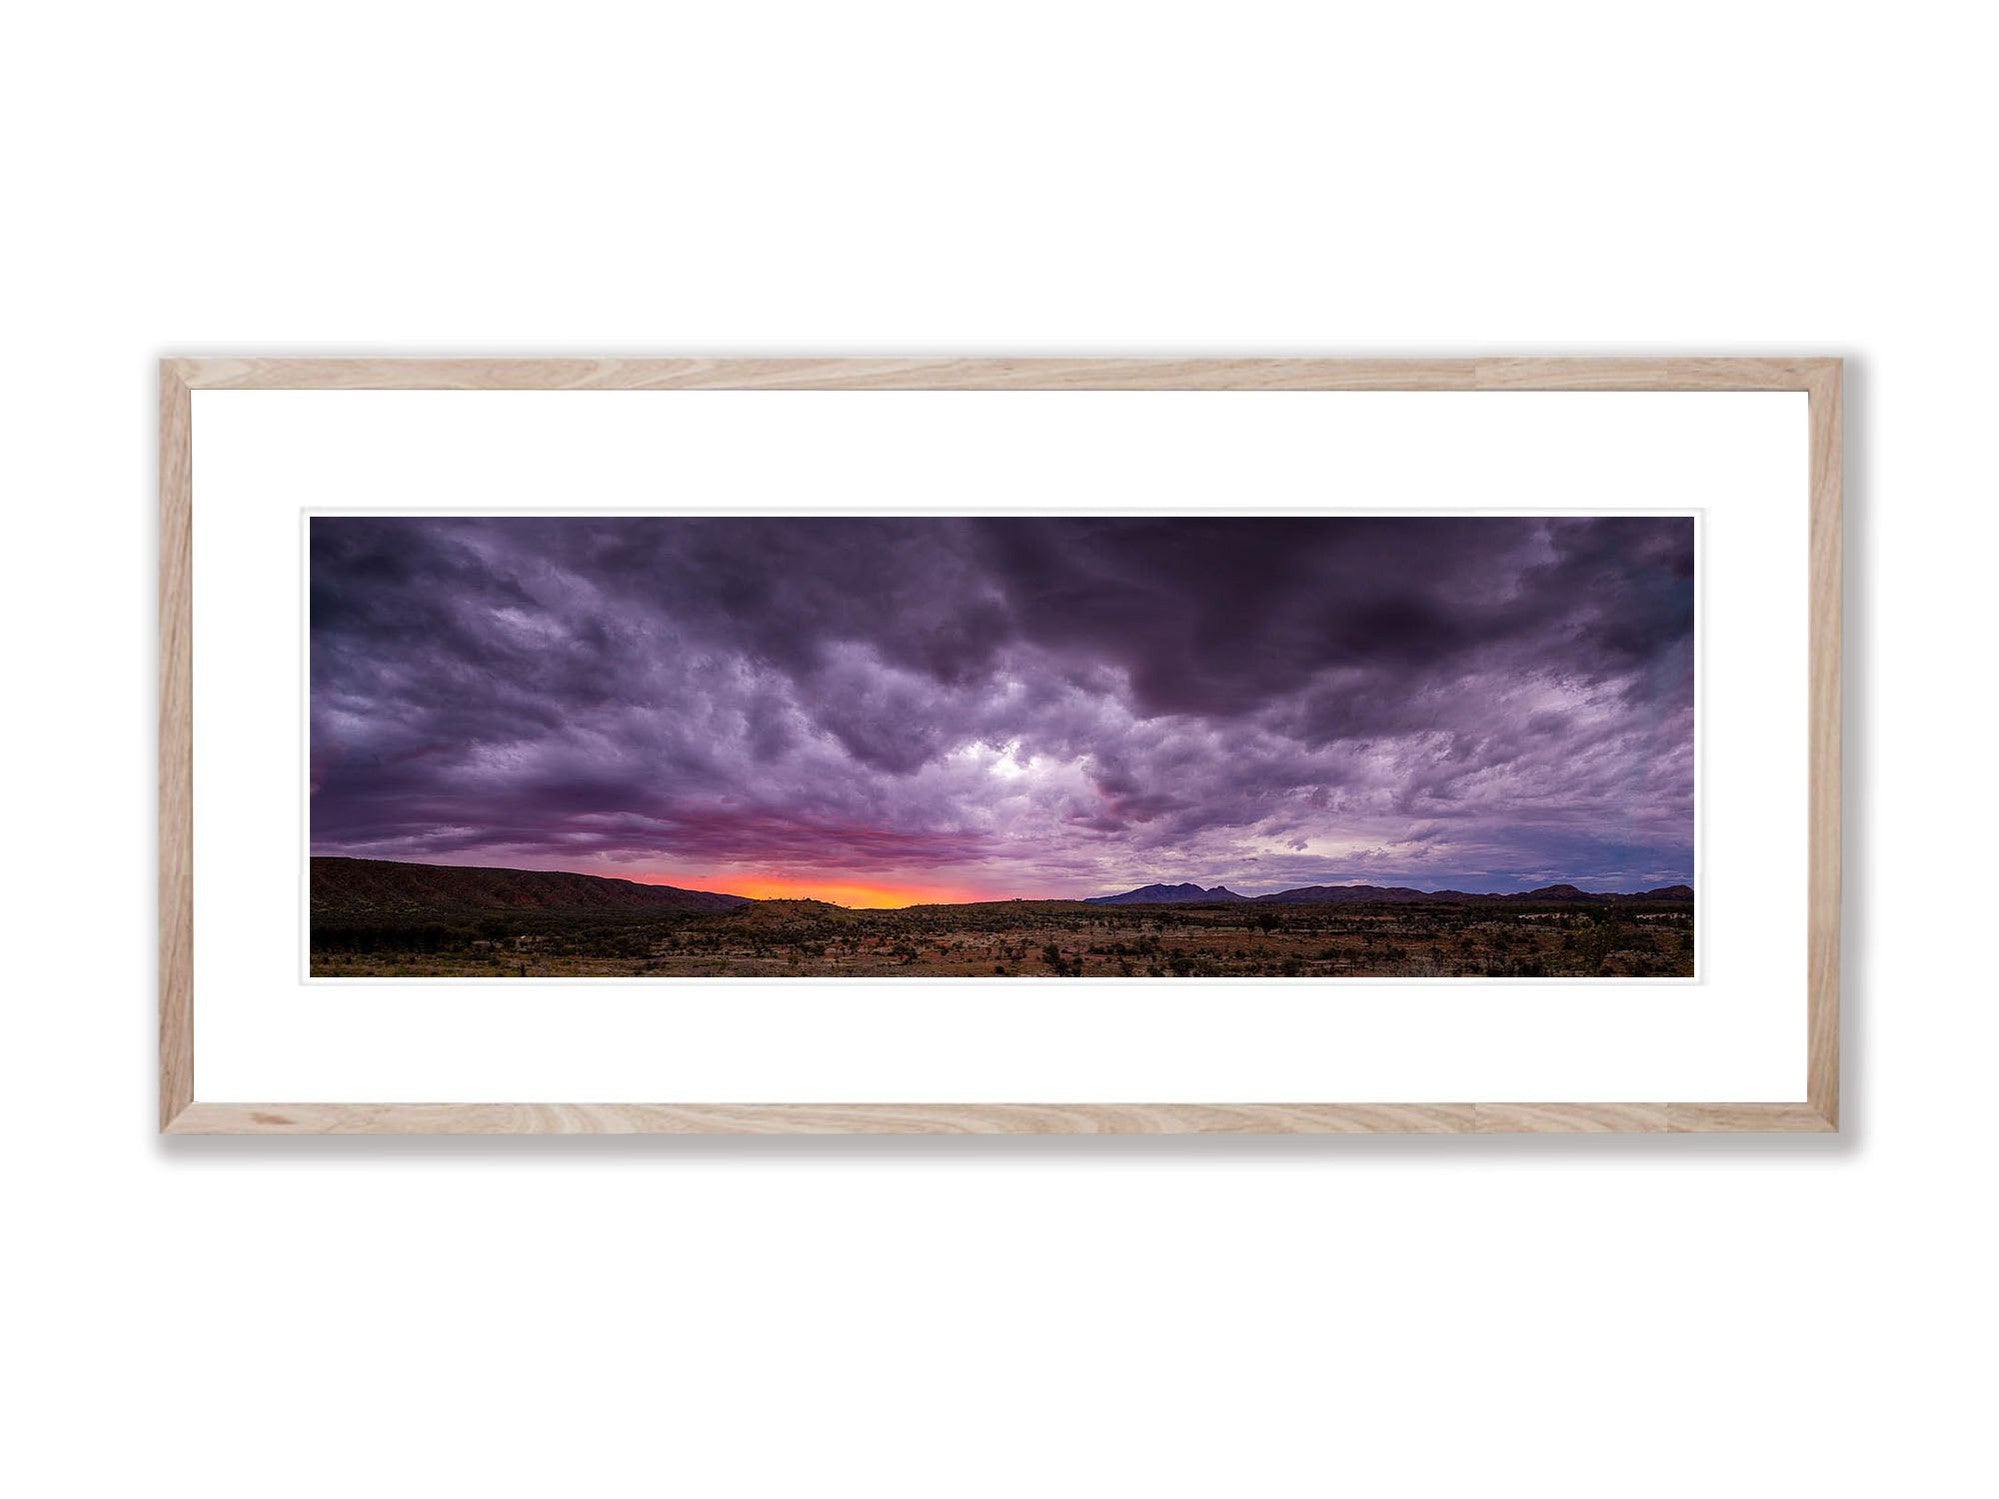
(1188, 894)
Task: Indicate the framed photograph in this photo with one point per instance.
(993, 745)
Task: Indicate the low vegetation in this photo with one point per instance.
(1014, 939)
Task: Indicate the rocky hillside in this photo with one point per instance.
(378, 889)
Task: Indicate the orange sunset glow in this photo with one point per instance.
(858, 896)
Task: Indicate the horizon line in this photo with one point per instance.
(1352, 884)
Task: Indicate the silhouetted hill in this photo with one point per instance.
(374, 889)
(1400, 895)
(1167, 895)
(1382, 895)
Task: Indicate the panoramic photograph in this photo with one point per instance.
(1002, 747)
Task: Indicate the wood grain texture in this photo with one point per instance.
(993, 1118)
(1820, 378)
(829, 374)
(1828, 424)
(176, 768)
(1571, 1118)
(1748, 1118)
(1651, 374)
(1001, 374)
(823, 1119)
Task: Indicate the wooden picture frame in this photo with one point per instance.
(181, 1114)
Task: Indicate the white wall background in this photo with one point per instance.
(994, 1317)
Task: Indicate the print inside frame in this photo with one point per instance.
(1813, 1000)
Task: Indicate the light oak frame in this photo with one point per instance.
(181, 1114)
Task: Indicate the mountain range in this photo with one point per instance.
(370, 890)
(1194, 895)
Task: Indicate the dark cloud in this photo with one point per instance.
(1010, 704)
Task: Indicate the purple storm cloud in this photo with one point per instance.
(967, 708)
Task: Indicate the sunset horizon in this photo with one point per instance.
(876, 898)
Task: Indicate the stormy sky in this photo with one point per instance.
(878, 711)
